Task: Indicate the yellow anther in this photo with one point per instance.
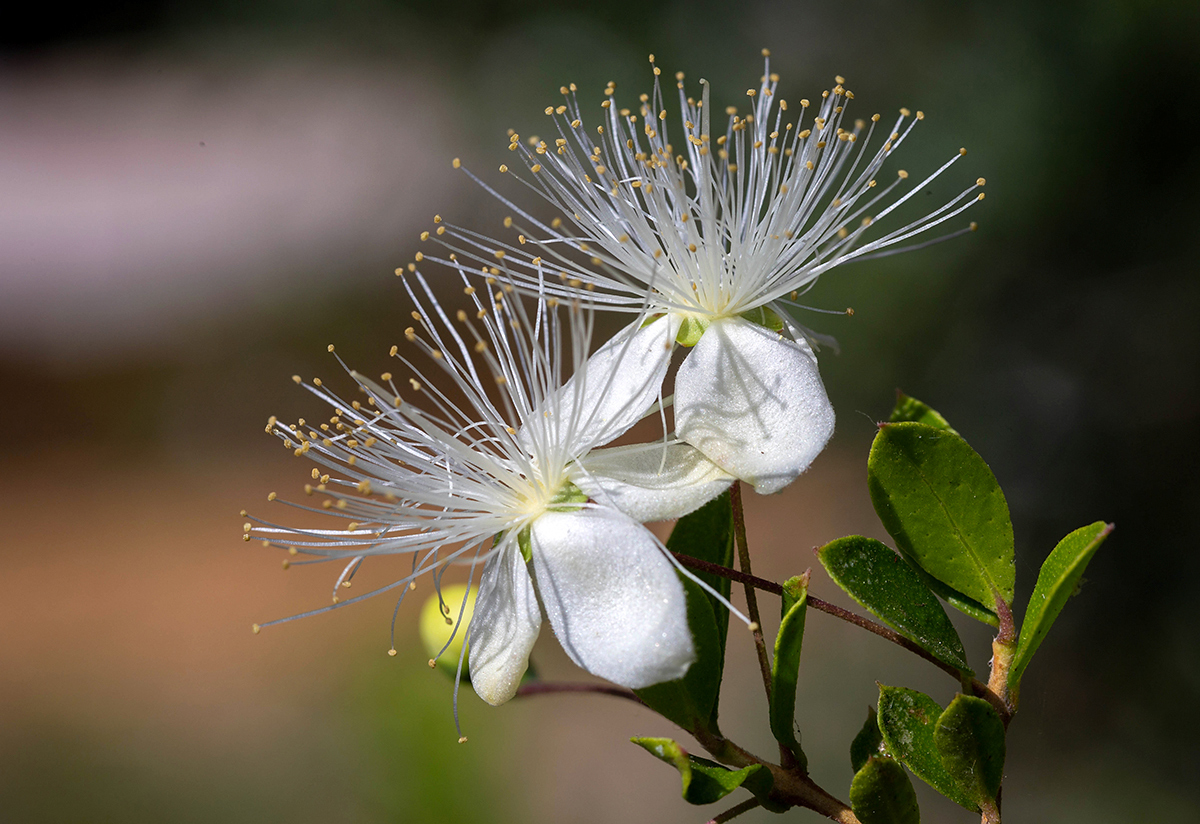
(297, 379)
(255, 628)
(456, 163)
(980, 181)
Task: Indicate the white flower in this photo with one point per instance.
(722, 233)
(482, 470)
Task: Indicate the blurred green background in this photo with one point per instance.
(197, 197)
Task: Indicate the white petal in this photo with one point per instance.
(612, 597)
(620, 381)
(505, 625)
(651, 481)
(752, 401)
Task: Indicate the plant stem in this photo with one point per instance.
(792, 788)
(733, 812)
(1004, 648)
(548, 688)
(977, 687)
(739, 531)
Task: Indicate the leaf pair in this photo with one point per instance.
(959, 752)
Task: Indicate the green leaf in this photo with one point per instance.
(707, 534)
(1058, 581)
(907, 720)
(785, 668)
(911, 409)
(882, 794)
(891, 589)
(866, 743)
(970, 738)
(704, 781)
(943, 506)
(691, 701)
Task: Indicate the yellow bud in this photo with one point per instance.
(435, 630)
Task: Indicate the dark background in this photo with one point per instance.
(195, 198)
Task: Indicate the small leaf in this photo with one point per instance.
(911, 409)
(941, 503)
(691, 701)
(785, 668)
(882, 794)
(704, 781)
(1057, 582)
(970, 737)
(907, 719)
(882, 582)
(866, 743)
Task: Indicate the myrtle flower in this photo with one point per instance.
(480, 468)
(723, 233)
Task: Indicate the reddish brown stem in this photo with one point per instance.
(548, 688)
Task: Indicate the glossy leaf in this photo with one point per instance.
(866, 743)
(704, 781)
(691, 701)
(969, 735)
(785, 667)
(882, 794)
(907, 720)
(941, 503)
(888, 587)
(911, 409)
(707, 534)
(1059, 579)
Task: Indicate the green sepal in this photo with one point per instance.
(525, 544)
(691, 330)
(785, 667)
(567, 495)
(764, 316)
(707, 534)
(704, 781)
(1059, 579)
(907, 720)
(888, 587)
(867, 742)
(969, 736)
(911, 409)
(691, 701)
(941, 503)
(882, 793)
